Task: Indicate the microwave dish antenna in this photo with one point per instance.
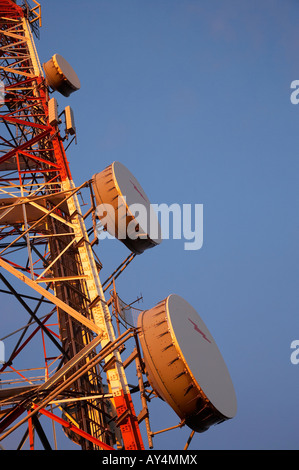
(184, 365)
(61, 76)
(82, 342)
(119, 196)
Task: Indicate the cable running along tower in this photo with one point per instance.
(49, 267)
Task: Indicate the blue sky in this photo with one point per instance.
(194, 98)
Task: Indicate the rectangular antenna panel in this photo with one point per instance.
(53, 112)
(70, 121)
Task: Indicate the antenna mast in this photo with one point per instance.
(41, 214)
(76, 336)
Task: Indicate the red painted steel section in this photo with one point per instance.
(24, 146)
(31, 434)
(8, 419)
(14, 355)
(127, 419)
(76, 430)
(128, 422)
(10, 9)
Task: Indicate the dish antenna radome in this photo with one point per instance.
(117, 190)
(61, 76)
(184, 365)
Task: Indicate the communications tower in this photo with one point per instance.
(49, 266)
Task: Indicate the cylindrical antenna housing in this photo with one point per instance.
(61, 76)
(124, 209)
(184, 365)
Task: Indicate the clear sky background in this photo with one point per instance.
(193, 97)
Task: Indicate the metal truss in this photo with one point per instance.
(49, 266)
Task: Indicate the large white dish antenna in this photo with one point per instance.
(61, 76)
(124, 209)
(184, 365)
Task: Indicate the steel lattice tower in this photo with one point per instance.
(45, 246)
(49, 268)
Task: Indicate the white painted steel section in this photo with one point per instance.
(101, 314)
(38, 71)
